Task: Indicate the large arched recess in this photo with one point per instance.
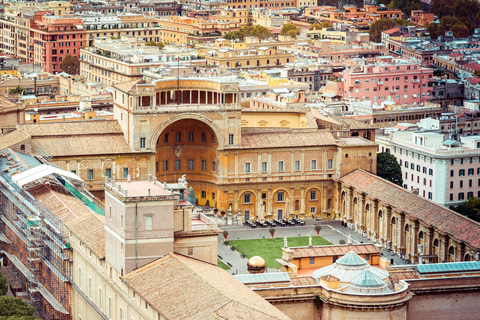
(199, 140)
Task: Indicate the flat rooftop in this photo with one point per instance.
(141, 189)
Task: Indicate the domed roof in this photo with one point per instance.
(351, 259)
(256, 261)
(367, 278)
(348, 267)
(367, 283)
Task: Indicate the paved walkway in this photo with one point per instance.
(331, 230)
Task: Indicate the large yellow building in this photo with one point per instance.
(286, 170)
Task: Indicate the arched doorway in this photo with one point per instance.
(190, 147)
(467, 257)
(451, 254)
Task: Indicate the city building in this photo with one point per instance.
(420, 18)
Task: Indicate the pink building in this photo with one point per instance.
(397, 80)
(444, 171)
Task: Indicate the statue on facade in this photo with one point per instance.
(285, 242)
(191, 196)
(310, 241)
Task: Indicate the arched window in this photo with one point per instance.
(22, 147)
(451, 251)
(393, 220)
(420, 235)
(367, 207)
(435, 243)
(380, 213)
(467, 257)
(407, 228)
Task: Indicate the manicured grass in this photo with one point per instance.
(271, 249)
(222, 265)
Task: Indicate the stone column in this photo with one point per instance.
(402, 241)
(362, 219)
(350, 206)
(302, 200)
(269, 202)
(375, 219)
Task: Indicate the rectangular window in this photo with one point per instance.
(109, 307)
(461, 172)
(90, 174)
(469, 195)
(430, 196)
(100, 298)
(452, 173)
(312, 260)
(178, 137)
(177, 164)
(230, 139)
(148, 223)
(204, 165)
(280, 166)
(108, 173)
(142, 143)
(470, 183)
(280, 197)
(204, 138)
(90, 287)
(204, 194)
(264, 167)
(121, 314)
(451, 196)
(214, 166)
(80, 277)
(165, 138)
(190, 164)
(125, 173)
(297, 165)
(461, 196)
(121, 221)
(313, 195)
(247, 167)
(246, 198)
(451, 184)
(430, 172)
(314, 165)
(165, 165)
(190, 137)
(313, 209)
(471, 172)
(330, 164)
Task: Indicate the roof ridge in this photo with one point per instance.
(246, 306)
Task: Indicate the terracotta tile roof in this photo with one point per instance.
(390, 31)
(77, 137)
(71, 128)
(283, 139)
(473, 80)
(185, 288)
(355, 141)
(327, 251)
(355, 124)
(415, 207)
(82, 145)
(303, 281)
(474, 66)
(65, 207)
(7, 104)
(396, 276)
(90, 229)
(12, 138)
(129, 85)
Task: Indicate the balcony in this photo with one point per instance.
(416, 80)
(393, 91)
(380, 83)
(202, 222)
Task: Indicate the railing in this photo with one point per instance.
(175, 107)
(206, 224)
(90, 203)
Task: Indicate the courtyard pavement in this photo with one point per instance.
(331, 230)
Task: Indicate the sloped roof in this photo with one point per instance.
(12, 138)
(366, 278)
(391, 31)
(71, 128)
(351, 259)
(327, 251)
(415, 207)
(127, 86)
(186, 288)
(355, 124)
(284, 139)
(90, 229)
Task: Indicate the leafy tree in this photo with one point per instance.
(378, 27)
(15, 309)
(320, 26)
(470, 208)
(18, 90)
(314, 26)
(290, 29)
(70, 65)
(435, 30)
(405, 5)
(152, 43)
(401, 22)
(477, 73)
(460, 30)
(249, 31)
(388, 168)
(3, 284)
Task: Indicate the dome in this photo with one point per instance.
(366, 282)
(256, 264)
(348, 267)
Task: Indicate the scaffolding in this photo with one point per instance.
(37, 249)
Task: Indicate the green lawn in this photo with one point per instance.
(270, 249)
(222, 265)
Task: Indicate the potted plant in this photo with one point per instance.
(225, 235)
(317, 229)
(342, 241)
(222, 213)
(272, 232)
(215, 211)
